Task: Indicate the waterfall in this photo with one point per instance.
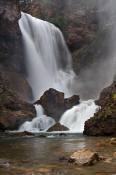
(48, 59)
(40, 123)
(75, 118)
(49, 65)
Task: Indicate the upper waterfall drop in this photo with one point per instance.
(48, 59)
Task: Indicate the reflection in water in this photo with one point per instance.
(72, 145)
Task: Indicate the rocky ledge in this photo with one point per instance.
(55, 104)
(104, 121)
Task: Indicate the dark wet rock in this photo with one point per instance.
(62, 134)
(58, 127)
(41, 136)
(21, 134)
(84, 158)
(72, 101)
(55, 104)
(104, 121)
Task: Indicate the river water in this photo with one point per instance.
(41, 156)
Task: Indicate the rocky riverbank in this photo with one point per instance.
(104, 121)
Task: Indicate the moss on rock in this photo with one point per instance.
(104, 121)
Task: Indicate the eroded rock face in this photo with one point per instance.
(12, 59)
(84, 158)
(104, 121)
(13, 110)
(58, 127)
(10, 35)
(55, 104)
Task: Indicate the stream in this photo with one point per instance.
(44, 156)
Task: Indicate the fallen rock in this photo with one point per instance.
(55, 104)
(58, 127)
(84, 158)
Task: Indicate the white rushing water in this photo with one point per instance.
(75, 118)
(40, 123)
(49, 65)
(48, 59)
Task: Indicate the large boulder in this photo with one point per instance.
(58, 127)
(84, 157)
(55, 104)
(103, 123)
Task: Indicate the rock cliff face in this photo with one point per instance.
(10, 36)
(13, 110)
(104, 121)
(11, 51)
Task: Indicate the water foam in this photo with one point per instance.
(75, 118)
(40, 123)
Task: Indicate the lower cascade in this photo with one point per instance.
(75, 118)
(49, 65)
(40, 123)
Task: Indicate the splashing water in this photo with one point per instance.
(40, 123)
(49, 65)
(75, 118)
